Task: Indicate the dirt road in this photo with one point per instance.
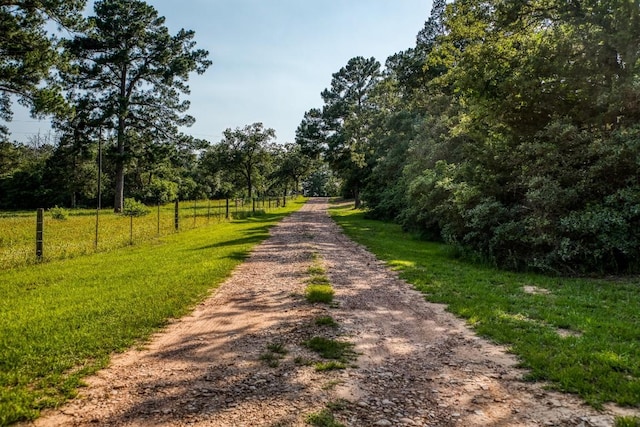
(417, 365)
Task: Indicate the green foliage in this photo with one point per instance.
(323, 418)
(134, 88)
(242, 160)
(487, 135)
(61, 321)
(627, 422)
(29, 54)
(132, 207)
(319, 293)
(331, 349)
(340, 131)
(322, 182)
(161, 191)
(59, 213)
(578, 335)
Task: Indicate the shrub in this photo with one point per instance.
(132, 207)
(59, 213)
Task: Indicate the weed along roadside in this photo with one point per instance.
(61, 320)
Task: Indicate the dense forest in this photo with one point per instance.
(510, 130)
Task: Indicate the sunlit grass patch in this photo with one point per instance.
(319, 293)
(319, 287)
(323, 418)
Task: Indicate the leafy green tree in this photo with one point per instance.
(346, 121)
(240, 157)
(133, 73)
(293, 165)
(321, 182)
(21, 172)
(70, 175)
(29, 53)
(311, 134)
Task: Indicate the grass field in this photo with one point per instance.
(61, 320)
(76, 235)
(580, 335)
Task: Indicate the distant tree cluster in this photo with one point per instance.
(511, 129)
(248, 162)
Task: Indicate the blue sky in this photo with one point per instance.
(272, 58)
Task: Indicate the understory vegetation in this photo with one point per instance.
(60, 321)
(579, 335)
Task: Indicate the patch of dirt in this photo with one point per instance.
(534, 290)
(417, 365)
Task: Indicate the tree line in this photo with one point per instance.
(510, 130)
(115, 90)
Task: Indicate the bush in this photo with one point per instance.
(132, 207)
(59, 213)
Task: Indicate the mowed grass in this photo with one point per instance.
(580, 335)
(76, 235)
(60, 321)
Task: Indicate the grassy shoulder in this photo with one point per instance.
(580, 335)
(61, 320)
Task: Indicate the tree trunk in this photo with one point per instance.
(118, 202)
(356, 195)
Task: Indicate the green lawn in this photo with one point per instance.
(60, 321)
(580, 335)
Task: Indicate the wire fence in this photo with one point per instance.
(30, 237)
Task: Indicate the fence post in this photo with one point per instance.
(195, 205)
(95, 243)
(227, 214)
(158, 218)
(177, 216)
(39, 234)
